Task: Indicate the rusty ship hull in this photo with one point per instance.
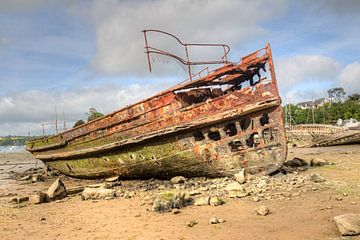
(215, 125)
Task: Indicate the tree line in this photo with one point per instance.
(339, 106)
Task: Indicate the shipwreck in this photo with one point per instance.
(215, 123)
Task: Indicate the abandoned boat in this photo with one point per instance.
(214, 125)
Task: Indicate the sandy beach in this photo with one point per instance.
(306, 213)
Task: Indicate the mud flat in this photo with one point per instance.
(302, 204)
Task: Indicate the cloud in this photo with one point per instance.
(350, 78)
(20, 5)
(304, 69)
(120, 43)
(32, 107)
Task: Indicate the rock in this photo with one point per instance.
(37, 178)
(192, 223)
(112, 179)
(216, 201)
(348, 224)
(316, 178)
(240, 177)
(317, 162)
(176, 211)
(97, 193)
(214, 220)
(25, 178)
(37, 198)
(57, 190)
(194, 192)
(178, 179)
(19, 199)
(262, 210)
(295, 162)
(202, 201)
(168, 200)
(235, 189)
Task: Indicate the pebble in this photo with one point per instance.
(262, 210)
(192, 223)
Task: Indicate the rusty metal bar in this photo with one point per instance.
(147, 50)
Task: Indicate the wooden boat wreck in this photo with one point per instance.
(214, 125)
(322, 135)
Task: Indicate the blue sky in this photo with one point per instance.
(80, 54)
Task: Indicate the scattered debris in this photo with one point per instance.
(202, 201)
(262, 210)
(216, 201)
(57, 190)
(318, 162)
(19, 199)
(316, 178)
(37, 198)
(348, 224)
(176, 211)
(112, 179)
(192, 223)
(97, 193)
(168, 200)
(178, 179)
(240, 177)
(236, 190)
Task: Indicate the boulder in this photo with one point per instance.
(240, 177)
(97, 193)
(348, 224)
(316, 178)
(57, 190)
(178, 179)
(202, 201)
(236, 190)
(262, 210)
(168, 200)
(37, 198)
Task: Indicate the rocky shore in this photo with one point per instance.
(307, 179)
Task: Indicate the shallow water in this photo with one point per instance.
(8, 149)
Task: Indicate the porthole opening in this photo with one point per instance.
(214, 135)
(245, 123)
(230, 129)
(198, 136)
(264, 119)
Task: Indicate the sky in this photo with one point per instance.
(61, 57)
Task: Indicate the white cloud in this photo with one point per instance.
(21, 110)
(350, 78)
(120, 43)
(301, 69)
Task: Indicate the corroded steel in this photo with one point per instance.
(211, 126)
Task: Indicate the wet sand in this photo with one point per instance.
(307, 216)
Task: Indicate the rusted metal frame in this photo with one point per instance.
(186, 126)
(186, 62)
(147, 51)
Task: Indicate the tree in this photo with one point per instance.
(94, 114)
(79, 123)
(337, 94)
(354, 97)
